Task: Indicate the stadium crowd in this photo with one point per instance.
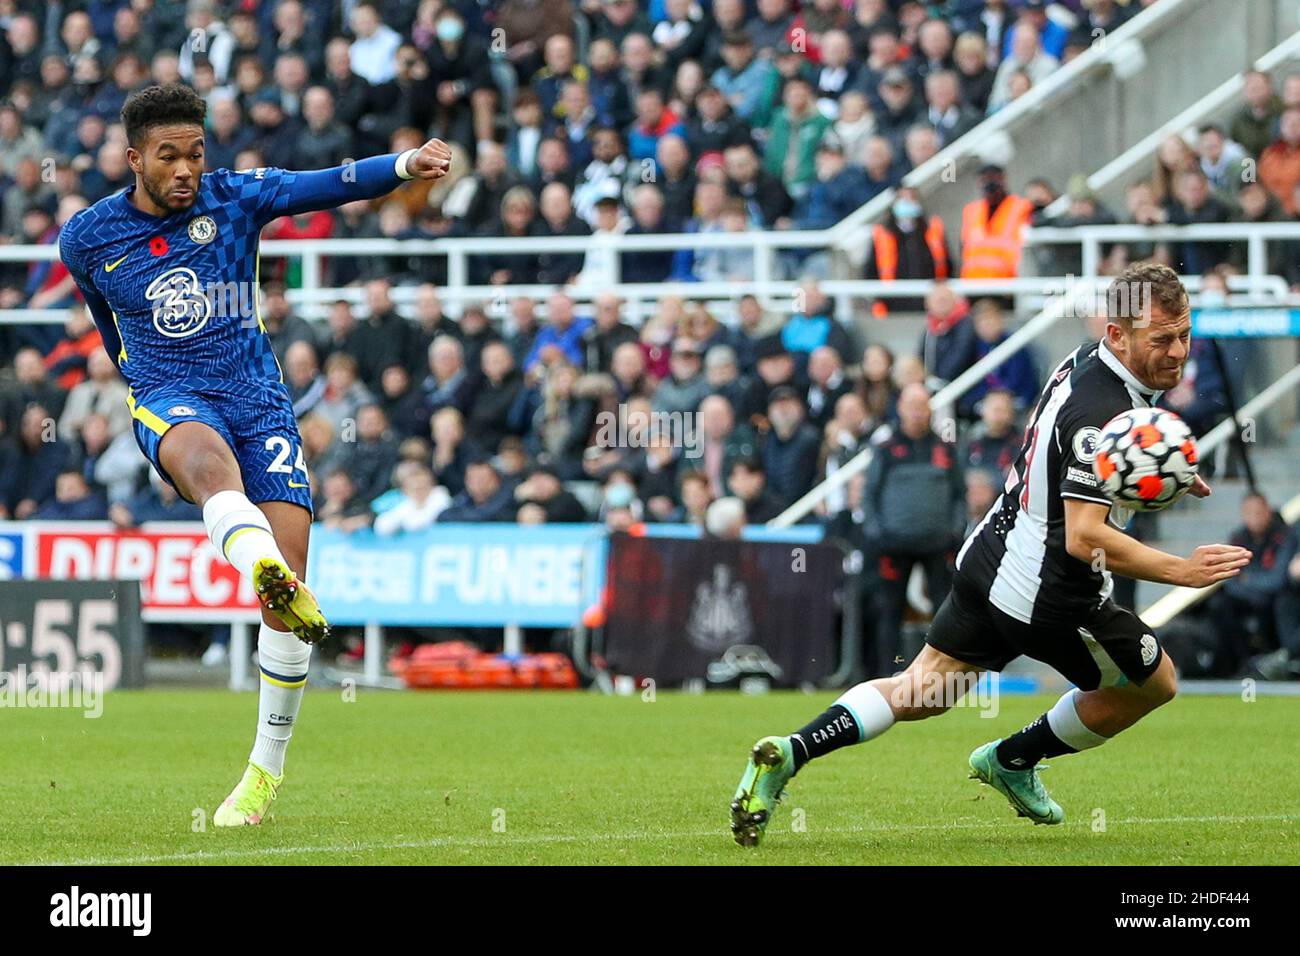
(568, 119)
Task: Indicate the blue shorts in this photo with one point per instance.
(255, 420)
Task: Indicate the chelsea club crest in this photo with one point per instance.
(202, 229)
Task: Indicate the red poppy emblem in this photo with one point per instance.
(158, 246)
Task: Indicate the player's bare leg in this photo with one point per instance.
(1110, 710)
(205, 470)
(932, 684)
(268, 544)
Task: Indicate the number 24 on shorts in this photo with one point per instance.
(283, 449)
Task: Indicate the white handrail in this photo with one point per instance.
(766, 238)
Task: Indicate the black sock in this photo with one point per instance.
(832, 730)
(1026, 747)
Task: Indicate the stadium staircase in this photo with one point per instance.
(1196, 521)
(1129, 84)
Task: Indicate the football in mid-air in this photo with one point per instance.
(1146, 459)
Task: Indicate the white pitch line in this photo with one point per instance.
(639, 835)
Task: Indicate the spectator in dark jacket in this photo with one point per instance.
(647, 220)
(994, 442)
(764, 194)
(558, 219)
(713, 127)
(1015, 375)
(351, 92)
(370, 458)
(949, 344)
(489, 416)
(157, 501)
(790, 447)
(826, 383)
(27, 480)
(607, 333)
(323, 141)
(542, 487)
(914, 510)
(838, 190)
(485, 498)
(1193, 204)
(74, 500)
(402, 402)
(31, 386)
(748, 482)
(229, 134)
(476, 333)
(449, 383)
(950, 118)
(459, 82)
(341, 506)
(1244, 609)
(518, 214)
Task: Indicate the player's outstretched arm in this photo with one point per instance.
(1090, 537)
(290, 192)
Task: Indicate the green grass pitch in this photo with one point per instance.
(566, 778)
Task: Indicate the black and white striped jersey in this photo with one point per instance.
(1017, 552)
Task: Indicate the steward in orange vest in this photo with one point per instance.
(991, 229)
(902, 250)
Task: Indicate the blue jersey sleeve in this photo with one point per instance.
(285, 192)
(99, 308)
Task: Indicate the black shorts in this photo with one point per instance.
(1107, 646)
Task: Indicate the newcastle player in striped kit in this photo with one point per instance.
(1034, 578)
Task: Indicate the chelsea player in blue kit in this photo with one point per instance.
(169, 270)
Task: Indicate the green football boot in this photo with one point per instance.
(1022, 788)
(770, 767)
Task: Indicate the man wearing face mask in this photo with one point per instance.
(460, 82)
(991, 229)
(907, 245)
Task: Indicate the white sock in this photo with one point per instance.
(239, 530)
(1064, 720)
(282, 659)
(869, 708)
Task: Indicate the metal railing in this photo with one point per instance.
(313, 298)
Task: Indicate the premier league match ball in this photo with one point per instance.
(1146, 459)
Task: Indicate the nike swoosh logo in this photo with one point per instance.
(296, 484)
(110, 266)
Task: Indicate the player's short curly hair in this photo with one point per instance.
(1141, 285)
(160, 106)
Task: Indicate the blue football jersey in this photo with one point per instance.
(175, 297)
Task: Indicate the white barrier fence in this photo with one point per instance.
(774, 290)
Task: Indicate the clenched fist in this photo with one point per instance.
(430, 161)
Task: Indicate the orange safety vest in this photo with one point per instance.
(990, 249)
(886, 252)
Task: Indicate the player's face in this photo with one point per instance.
(1157, 351)
(170, 166)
